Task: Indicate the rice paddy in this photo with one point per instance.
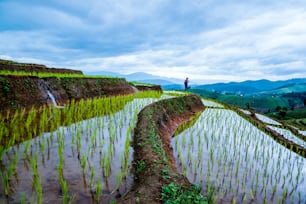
(85, 158)
(237, 162)
(82, 153)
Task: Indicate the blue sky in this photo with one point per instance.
(206, 40)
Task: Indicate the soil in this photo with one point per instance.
(18, 92)
(148, 88)
(155, 127)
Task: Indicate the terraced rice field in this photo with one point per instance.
(237, 162)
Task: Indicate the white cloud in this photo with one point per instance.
(200, 39)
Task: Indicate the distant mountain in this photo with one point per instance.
(250, 87)
(104, 73)
(246, 87)
(139, 77)
(288, 89)
(155, 81)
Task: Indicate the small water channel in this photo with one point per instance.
(227, 155)
(93, 157)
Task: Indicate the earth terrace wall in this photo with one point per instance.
(18, 92)
(149, 88)
(25, 67)
(153, 156)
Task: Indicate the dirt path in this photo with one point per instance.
(153, 160)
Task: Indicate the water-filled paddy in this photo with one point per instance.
(226, 154)
(85, 161)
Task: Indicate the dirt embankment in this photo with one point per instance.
(148, 88)
(153, 158)
(25, 67)
(24, 92)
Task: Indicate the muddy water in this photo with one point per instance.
(225, 154)
(86, 148)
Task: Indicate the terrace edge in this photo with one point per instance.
(154, 165)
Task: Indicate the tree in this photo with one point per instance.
(283, 113)
(291, 104)
(247, 105)
(304, 101)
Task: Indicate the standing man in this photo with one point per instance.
(186, 84)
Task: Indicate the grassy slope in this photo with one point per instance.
(294, 117)
(260, 102)
(263, 103)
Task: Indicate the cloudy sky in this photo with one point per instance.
(206, 40)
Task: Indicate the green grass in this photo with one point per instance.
(290, 114)
(135, 83)
(259, 102)
(48, 74)
(293, 117)
(299, 123)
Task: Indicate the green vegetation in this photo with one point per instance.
(21, 126)
(187, 124)
(296, 118)
(135, 83)
(290, 114)
(48, 74)
(91, 128)
(176, 93)
(224, 153)
(176, 194)
(260, 102)
(140, 166)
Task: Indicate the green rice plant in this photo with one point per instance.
(36, 179)
(92, 174)
(42, 146)
(26, 147)
(60, 172)
(106, 168)
(64, 187)
(119, 179)
(12, 166)
(280, 200)
(98, 190)
(38, 189)
(83, 163)
(5, 181)
(2, 151)
(23, 198)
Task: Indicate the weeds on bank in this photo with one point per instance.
(176, 194)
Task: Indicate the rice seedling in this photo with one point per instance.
(77, 138)
(239, 157)
(83, 163)
(98, 190)
(5, 181)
